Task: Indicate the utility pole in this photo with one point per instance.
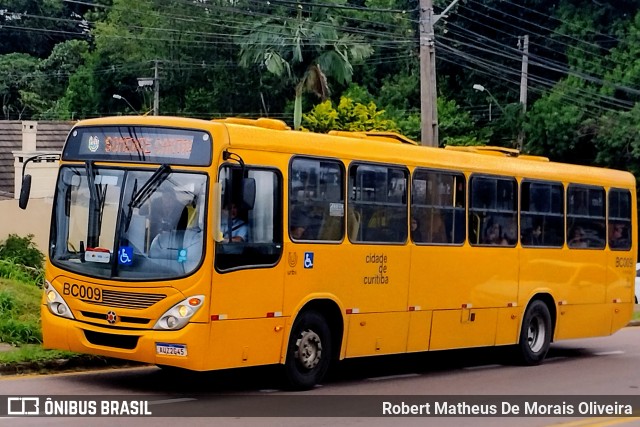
(428, 97)
(428, 92)
(156, 90)
(523, 85)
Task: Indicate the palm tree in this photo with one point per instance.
(305, 51)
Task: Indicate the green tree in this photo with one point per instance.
(347, 116)
(304, 50)
(20, 80)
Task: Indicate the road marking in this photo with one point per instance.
(393, 377)
(609, 353)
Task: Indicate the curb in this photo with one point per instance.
(77, 363)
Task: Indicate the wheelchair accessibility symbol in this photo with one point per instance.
(308, 260)
(125, 255)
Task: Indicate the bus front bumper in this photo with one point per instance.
(185, 348)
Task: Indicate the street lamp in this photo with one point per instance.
(116, 96)
(481, 88)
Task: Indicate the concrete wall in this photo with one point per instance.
(35, 220)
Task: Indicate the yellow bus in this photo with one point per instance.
(218, 244)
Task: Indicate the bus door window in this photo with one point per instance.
(619, 219)
(257, 238)
(586, 225)
(493, 211)
(542, 214)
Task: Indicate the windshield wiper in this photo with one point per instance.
(138, 197)
(149, 187)
(96, 206)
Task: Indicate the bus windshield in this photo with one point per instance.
(128, 224)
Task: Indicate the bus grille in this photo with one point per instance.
(125, 342)
(132, 300)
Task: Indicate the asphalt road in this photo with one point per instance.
(575, 371)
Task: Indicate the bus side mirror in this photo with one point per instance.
(248, 193)
(25, 191)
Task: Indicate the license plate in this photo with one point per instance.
(171, 349)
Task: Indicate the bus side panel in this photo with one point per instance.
(621, 315)
(587, 320)
(463, 328)
(543, 269)
(419, 330)
(249, 342)
(508, 326)
(327, 274)
(377, 333)
(621, 277)
(450, 277)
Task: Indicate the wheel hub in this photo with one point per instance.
(536, 334)
(309, 349)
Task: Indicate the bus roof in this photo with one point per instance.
(383, 147)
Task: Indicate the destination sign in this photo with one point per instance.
(139, 144)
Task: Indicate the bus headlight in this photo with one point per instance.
(55, 303)
(178, 316)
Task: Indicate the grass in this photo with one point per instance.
(29, 353)
(20, 327)
(19, 312)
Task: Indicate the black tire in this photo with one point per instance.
(535, 334)
(308, 352)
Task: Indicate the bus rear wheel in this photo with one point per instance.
(535, 335)
(308, 351)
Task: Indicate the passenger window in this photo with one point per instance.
(493, 211)
(377, 204)
(542, 214)
(316, 200)
(437, 207)
(619, 223)
(585, 217)
(259, 224)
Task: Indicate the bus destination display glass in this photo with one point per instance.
(139, 144)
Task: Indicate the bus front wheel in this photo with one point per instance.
(308, 352)
(535, 335)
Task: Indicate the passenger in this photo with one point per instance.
(493, 235)
(239, 228)
(416, 234)
(534, 236)
(578, 238)
(299, 225)
(617, 236)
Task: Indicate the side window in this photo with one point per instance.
(377, 210)
(585, 217)
(493, 211)
(316, 200)
(619, 223)
(252, 233)
(437, 207)
(542, 214)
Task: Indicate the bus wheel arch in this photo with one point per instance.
(536, 330)
(313, 344)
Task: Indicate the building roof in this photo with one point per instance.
(50, 137)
